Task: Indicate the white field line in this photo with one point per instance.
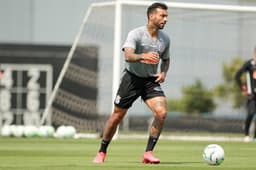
(171, 137)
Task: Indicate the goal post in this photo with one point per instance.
(71, 53)
(195, 6)
(215, 33)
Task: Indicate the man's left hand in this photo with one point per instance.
(160, 77)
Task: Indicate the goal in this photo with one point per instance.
(203, 37)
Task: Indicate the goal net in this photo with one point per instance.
(203, 37)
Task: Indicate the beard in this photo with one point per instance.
(160, 25)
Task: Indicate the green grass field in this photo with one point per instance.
(77, 154)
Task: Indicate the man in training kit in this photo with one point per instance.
(249, 67)
(144, 47)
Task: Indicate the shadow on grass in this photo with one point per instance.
(179, 163)
(172, 163)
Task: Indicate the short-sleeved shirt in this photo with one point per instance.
(140, 40)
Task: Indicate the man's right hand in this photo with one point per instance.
(150, 58)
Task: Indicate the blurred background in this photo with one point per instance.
(207, 48)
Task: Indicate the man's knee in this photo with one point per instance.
(161, 115)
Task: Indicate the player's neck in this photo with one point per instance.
(153, 31)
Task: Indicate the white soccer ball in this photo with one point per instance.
(6, 131)
(65, 132)
(46, 131)
(17, 130)
(213, 154)
(42, 131)
(60, 132)
(70, 132)
(50, 131)
(30, 131)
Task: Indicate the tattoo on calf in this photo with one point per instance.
(156, 128)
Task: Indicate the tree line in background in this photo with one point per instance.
(197, 99)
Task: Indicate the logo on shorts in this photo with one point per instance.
(158, 88)
(117, 100)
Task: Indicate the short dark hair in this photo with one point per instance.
(154, 6)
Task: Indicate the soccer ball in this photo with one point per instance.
(213, 154)
(70, 132)
(60, 132)
(6, 131)
(17, 130)
(30, 131)
(65, 132)
(46, 131)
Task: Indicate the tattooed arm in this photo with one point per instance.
(148, 58)
(164, 68)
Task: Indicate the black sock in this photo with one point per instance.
(104, 146)
(151, 143)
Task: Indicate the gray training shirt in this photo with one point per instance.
(140, 40)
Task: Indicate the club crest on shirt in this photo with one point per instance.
(161, 45)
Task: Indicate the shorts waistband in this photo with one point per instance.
(143, 78)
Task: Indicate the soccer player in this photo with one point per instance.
(249, 67)
(144, 48)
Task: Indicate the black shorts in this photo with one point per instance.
(251, 105)
(132, 87)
